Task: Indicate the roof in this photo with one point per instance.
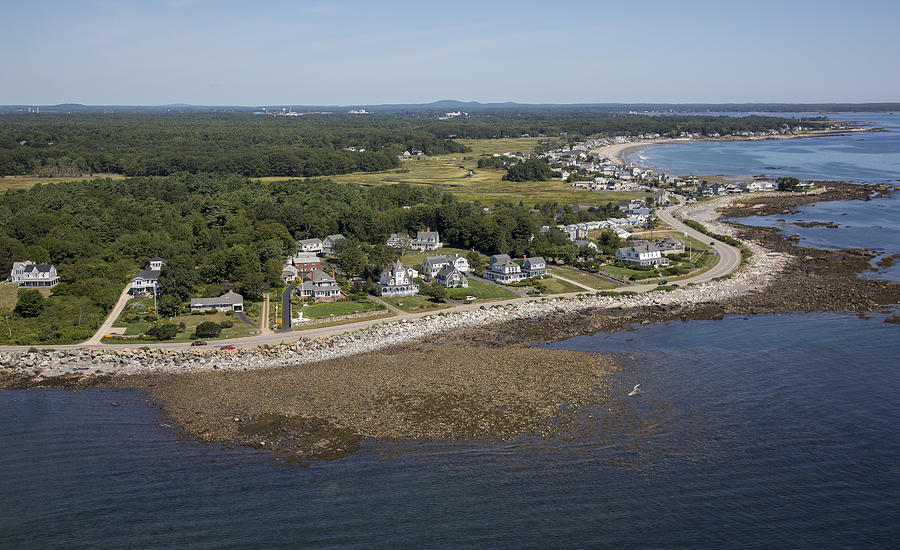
(642, 246)
(335, 237)
(502, 258)
(317, 275)
(436, 260)
(535, 260)
(148, 274)
(43, 268)
(156, 259)
(229, 298)
(310, 241)
(447, 271)
(423, 235)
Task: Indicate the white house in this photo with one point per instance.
(432, 264)
(319, 286)
(426, 240)
(535, 267)
(395, 281)
(30, 274)
(330, 241)
(230, 301)
(503, 270)
(147, 281)
(590, 244)
(310, 245)
(641, 253)
(399, 240)
(451, 277)
(459, 262)
(289, 273)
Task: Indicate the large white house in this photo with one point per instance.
(641, 253)
(147, 281)
(503, 270)
(426, 240)
(395, 281)
(30, 274)
(319, 286)
(310, 245)
(459, 262)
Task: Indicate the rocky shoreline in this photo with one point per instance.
(459, 375)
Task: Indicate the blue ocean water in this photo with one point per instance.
(873, 224)
(872, 157)
(738, 437)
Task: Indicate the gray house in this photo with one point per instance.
(32, 275)
(230, 301)
(535, 267)
(432, 264)
(503, 270)
(451, 277)
(426, 240)
(329, 242)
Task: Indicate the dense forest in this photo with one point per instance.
(217, 230)
(308, 146)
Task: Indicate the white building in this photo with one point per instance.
(451, 277)
(147, 281)
(459, 262)
(641, 253)
(426, 240)
(503, 270)
(319, 286)
(432, 264)
(535, 267)
(310, 245)
(32, 275)
(395, 281)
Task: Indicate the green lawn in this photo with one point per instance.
(324, 323)
(501, 145)
(482, 291)
(556, 286)
(414, 304)
(134, 328)
(582, 277)
(334, 309)
(8, 295)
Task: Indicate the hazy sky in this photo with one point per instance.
(264, 53)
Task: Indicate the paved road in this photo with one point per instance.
(286, 309)
(104, 329)
(730, 260)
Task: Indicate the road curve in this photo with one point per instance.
(730, 259)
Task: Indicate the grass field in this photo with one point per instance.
(556, 286)
(414, 304)
(321, 324)
(582, 277)
(480, 290)
(8, 296)
(334, 309)
(451, 173)
(23, 182)
(502, 145)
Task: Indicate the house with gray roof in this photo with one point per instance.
(230, 301)
(432, 264)
(147, 281)
(31, 275)
(503, 270)
(426, 240)
(329, 242)
(310, 245)
(451, 277)
(535, 267)
(319, 286)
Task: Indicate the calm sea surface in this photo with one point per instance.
(771, 431)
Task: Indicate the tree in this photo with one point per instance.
(165, 331)
(208, 329)
(30, 303)
(436, 291)
(168, 305)
(352, 261)
(178, 278)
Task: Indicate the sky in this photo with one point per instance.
(258, 53)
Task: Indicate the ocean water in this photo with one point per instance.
(873, 224)
(872, 157)
(737, 437)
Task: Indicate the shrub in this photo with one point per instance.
(30, 303)
(227, 323)
(208, 329)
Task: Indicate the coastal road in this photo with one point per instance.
(730, 259)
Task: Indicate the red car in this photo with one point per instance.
(227, 346)
(198, 343)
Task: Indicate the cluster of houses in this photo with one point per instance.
(719, 189)
(650, 253)
(320, 246)
(425, 240)
(502, 269)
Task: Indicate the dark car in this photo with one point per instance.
(713, 243)
(674, 284)
(198, 343)
(663, 282)
(227, 346)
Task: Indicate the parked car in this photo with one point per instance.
(674, 284)
(198, 343)
(470, 298)
(663, 282)
(713, 243)
(227, 346)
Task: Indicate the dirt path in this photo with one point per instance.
(104, 329)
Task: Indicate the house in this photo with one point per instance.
(459, 262)
(395, 281)
(503, 270)
(230, 301)
(535, 267)
(330, 241)
(306, 261)
(641, 253)
(399, 240)
(319, 286)
(30, 274)
(590, 244)
(670, 245)
(289, 273)
(426, 240)
(661, 197)
(451, 277)
(147, 281)
(310, 245)
(432, 264)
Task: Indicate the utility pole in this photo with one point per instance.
(6, 318)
